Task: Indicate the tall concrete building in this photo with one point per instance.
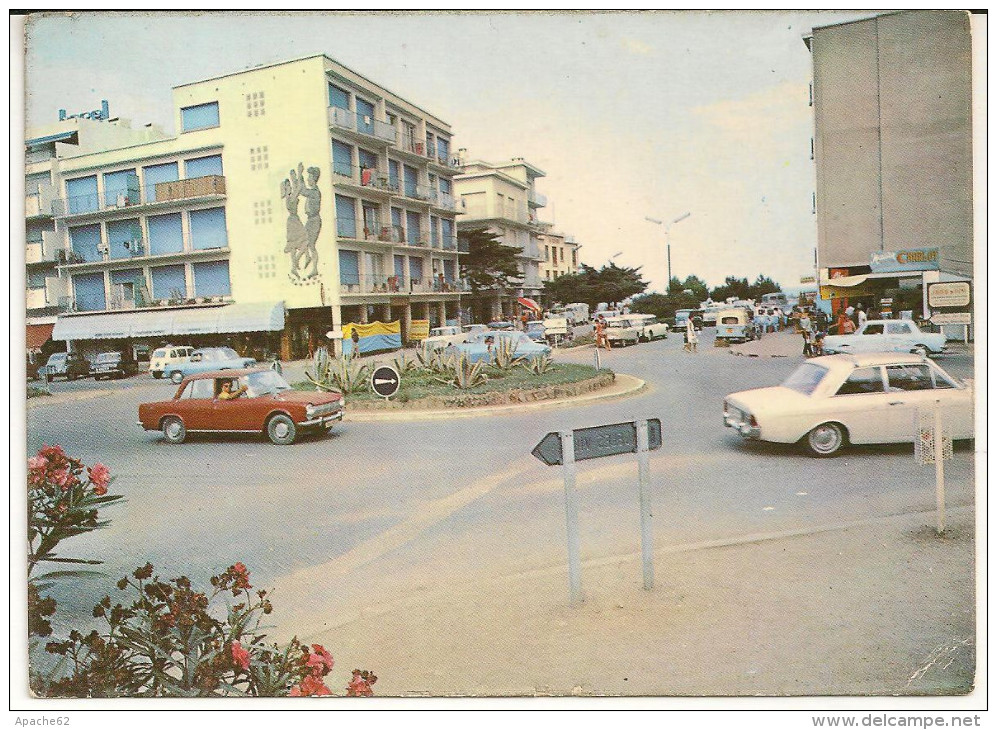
(893, 149)
(502, 197)
(295, 197)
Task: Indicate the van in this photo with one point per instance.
(775, 299)
(734, 325)
(164, 357)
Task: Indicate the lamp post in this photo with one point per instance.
(668, 246)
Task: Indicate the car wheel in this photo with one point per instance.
(920, 350)
(826, 439)
(176, 376)
(281, 430)
(173, 430)
(157, 376)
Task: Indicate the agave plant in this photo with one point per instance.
(343, 374)
(539, 365)
(404, 364)
(462, 373)
(504, 354)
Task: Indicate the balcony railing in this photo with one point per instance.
(43, 155)
(190, 188)
(363, 177)
(449, 243)
(536, 199)
(362, 124)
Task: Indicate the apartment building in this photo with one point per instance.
(502, 197)
(295, 197)
(560, 254)
(893, 150)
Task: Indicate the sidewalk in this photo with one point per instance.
(772, 344)
(875, 607)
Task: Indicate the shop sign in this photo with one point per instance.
(844, 292)
(808, 279)
(837, 273)
(103, 113)
(952, 318)
(910, 259)
(949, 294)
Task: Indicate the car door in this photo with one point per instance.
(194, 404)
(235, 414)
(911, 390)
(898, 337)
(860, 403)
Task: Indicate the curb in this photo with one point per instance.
(630, 386)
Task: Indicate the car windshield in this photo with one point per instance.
(225, 353)
(805, 378)
(264, 383)
(108, 357)
(58, 357)
(161, 352)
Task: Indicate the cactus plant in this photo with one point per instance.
(539, 365)
(504, 354)
(462, 373)
(342, 375)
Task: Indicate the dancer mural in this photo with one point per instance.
(302, 237)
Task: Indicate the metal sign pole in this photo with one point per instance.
(571, 512)
(598, 360)
(644, 473)
(939, 469)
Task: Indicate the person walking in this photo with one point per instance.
(600, 333)
(691, 339)
(862, 316)
(355, 339)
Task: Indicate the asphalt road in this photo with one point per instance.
(381, 509)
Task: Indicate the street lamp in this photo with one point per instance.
(668, 246)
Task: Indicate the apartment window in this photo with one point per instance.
(203, 166)
(127, 285)
(346, 217)
(121, 188)
(36, 180)
(367, 159)
(546, 253)
(124, 239)
(434, 230)
(88, 290)
(449, 268)
(36, 279)
(207, 229)
(371, 221)
(202, 116)
(394, 173)
(262, 212)
(153, 175)
(442, 149)
(165, 234)
(255, 104)
(84, 240)
(415, 268)
(211, 279)
(259, 158)
(349, 267)
(574, 258)
(408, 136)
(168, 282)
(411, 180)
(412, 222)
(446, 185)
(396, 222)
(399, 268)
(553, 257)
(342, 159)
(448, 237)
(82, 194)
(339, 97)
(365, 116)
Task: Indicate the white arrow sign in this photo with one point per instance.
(390, 381)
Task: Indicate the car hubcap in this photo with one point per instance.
(173, 430)
(825, 439)
(281, 430)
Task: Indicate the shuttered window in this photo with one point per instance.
(346, 217)
(202, 116)
(82, 194)
(168, 281)
(207, 229)
(342, 159)
(84, 240)
(89, 292)
(203, 166)
(349, 267)
(165, 234)
(211, 279)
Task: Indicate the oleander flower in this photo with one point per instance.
(239, 655)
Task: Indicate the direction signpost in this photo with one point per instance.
(564, 448)
(385, 381)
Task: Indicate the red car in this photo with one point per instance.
(265, 404)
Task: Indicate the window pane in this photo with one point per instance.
(121, 188)
(165, 234)
(349, 267)
(346, 217)
(863, 380)
(415, 268)
(168, 282)
(338, 97)
(154, 174)
(368, 160)
(873, 329)
(207, 229)
(84, 240)
(201, 116)
(203, 166)
(898, 328)
(365, 116)
(909, 377)
(211, 279)
(89, 292)
(411, 227)
(82, 194)
(342, 159)
(202, 389)
(124, 239)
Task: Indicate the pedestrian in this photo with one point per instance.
(862, 316)
(355, 339)
(818, 346)
(691, 339)
(850, 312)
(804, 322)
(847, 327)
(840, 323)
(600, 333)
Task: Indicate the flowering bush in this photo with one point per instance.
(62, 503)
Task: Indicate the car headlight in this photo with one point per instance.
(310, 411)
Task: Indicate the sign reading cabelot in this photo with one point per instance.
(911, 259)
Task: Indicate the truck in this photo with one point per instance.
(579, 312)
(556, 329)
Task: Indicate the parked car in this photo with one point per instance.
(536, 331)
(163, 357)
(440, 337)
(557, 329)
(887, 335)
(835, 400)
(470, 329)
(268, 405)
(648, 327)
(208, 358)
(620, 332)
(735, 325)
(480, 347)
(683, 315)
(501, 325)
(68, 365)
(113, 365)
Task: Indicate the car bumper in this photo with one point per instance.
(322, 421)
(745, 429)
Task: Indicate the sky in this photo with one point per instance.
(629, 114)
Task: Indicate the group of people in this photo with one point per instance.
(849, 320)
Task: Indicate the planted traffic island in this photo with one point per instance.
(438, 386)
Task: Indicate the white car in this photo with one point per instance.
(440, 337)
(887, 335)
(620, 331)
(164, 357)
(835, 400)
(648, 327)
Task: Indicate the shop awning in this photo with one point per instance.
(529, 303)
(850, 281)
(38, 335)
(255, 317)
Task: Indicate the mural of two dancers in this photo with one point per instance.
(302, 237)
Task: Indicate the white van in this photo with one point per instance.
(163, 357)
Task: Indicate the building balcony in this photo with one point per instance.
(115, 303)
(536, 200)
(75, 263)
(209, 187)
(449, 243)
(35, 299)
(416, 147)
(45, 251)
(362, 125)
(362, 178)
(38, 203)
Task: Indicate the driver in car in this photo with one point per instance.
(229, 394)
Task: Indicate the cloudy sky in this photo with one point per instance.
(630, 114)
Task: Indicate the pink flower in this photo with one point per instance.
(37, 463)
(320, 662)
(310, 686)
(359, 687)
(63, 479)
(239, 655)
(100, 477)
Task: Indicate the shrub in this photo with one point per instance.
(504, 354)
(343, 374)
(462, 373)
(539, 365)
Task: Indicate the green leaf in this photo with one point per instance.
(79, 561)
(71, 574)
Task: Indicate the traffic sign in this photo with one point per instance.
(598, 441)
(385, 381)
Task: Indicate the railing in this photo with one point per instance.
(449, 243)
(364, 177)
(362, 124)
(36, 299)
(196, 187)
(536, 199)
(424, 192)
(346, 228)
(417, 146)
(38, 202)
(67, 304)
(42, 155)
